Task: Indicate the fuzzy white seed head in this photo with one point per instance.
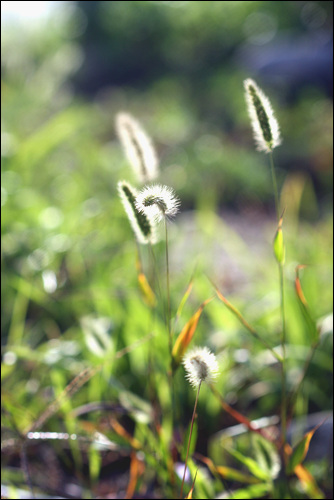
(200, 365)
(142, 225)
(138, 147)
(158, 202)
(265, 126)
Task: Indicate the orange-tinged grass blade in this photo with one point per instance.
(228, 472)
(305, 477)
(187, 334)
(190, 494)
(301, 449)
(238, 416)
(136, 469)
(235, 475)
(298, 286)
(147, 292)
(119, 429)
(145, 288)
(308, 481)
(242, 320)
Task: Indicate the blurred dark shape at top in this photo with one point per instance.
(134, 43)
(293, 63)
(122, 45)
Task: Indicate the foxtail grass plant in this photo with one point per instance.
(154, 204)
(201, 366)
(267, 137)
(159, 203)
(147, 208)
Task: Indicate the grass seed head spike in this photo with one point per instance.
(200, 365)
(158, 202)
(138, 147)
(265, 126)
(142, 225)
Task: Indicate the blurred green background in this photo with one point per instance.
(69, 290)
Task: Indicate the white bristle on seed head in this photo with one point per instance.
(158, 202)
(200, 365)
(265, 126)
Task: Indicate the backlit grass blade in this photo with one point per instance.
(190, 494)
(123, 433)
(305, 477)
(238, 416)
(305, 307)
(136, 469)
(184, 300)
(70, 389)
(187, 334)
(147, 292)
(301, 449)
(242, 320)
(308, 482)
(75, 385)
(227, 472)
(278, 244)
(250, 464)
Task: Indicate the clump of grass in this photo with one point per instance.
(159, 203)
(156, 443)
(267, 137)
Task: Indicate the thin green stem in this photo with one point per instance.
(155, 279)
(282, 307)
(168, 316)
(283, 362)
(273, 175)
(169, 330)
(189, 440)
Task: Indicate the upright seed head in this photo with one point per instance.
(138, 147)
(158, 202)
(265, 126)
(142, 225)
(200, 365)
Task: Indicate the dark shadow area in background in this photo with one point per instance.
(123, 49)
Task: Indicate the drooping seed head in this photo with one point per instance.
(138, 147)
(200, 365)
(264, 124)
(158, 202)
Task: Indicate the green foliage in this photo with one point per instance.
(72, 311)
